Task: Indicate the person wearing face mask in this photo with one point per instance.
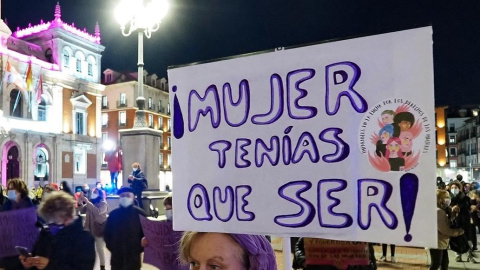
(123, 233)
(167, 202)
(96, 217)
(439, 256)
(17, 198)
(137, 182)
(63, 243)
(460, 204)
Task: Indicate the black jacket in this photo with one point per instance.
(463, 218)
(139, 182)
(72, 248)
(123, 235)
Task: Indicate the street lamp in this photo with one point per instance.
(145, 18)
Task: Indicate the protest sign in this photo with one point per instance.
(163, 243)
(340, 254)
(17, 229)
(335, 140)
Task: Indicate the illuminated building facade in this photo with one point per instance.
(53, 104)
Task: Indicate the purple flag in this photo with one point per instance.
(17, 229)
(163, 242)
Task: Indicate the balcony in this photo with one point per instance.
(122, 124)
(105, 125)
(161, 110)
(122, 104)
(105, 106)
(151, 108)
(162, 146)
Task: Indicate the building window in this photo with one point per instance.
(42, 111)
(168, 108)
(160, 122)
(104, 119)
(452, 139)
(108, 77)
(453, 152)
(104, 102)
(90, 69)
(161, 143)
(150, 120)
(122, 118)
(160, 160)
(66, 58)
(150, 105)
(79, 65)
(123, 99)
(169, 124)
(79, 156)
(16, 102)
(453, 163)
(80, 123)
(169, 161)
(169, 142)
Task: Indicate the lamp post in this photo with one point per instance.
(144, 18)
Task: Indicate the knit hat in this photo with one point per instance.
(259, 250)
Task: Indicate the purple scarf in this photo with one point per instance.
(259, 250)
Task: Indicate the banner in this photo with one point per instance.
(163, 242)
(340, 254)
(334, 141)
(17, 229)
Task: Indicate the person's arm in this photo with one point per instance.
(108, 232)
(299, 256)
(140, 176)
(444, 225)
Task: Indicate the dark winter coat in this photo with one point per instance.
(72, 248)
(138, 182)
(463, 218)
(123, 235)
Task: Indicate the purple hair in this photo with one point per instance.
(260, 252)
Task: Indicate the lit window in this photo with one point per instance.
(452, 139)
(104, 119)
(160, 122)
(169, 124)
(80, 160)
(453, 163)
(160, 160)
(42, 111)
(104, 102)
(79, 65)
(123, 118)
(150, 103)
(150, 120)
(168, 108)
(169, 142)
(90, 69)
(66, 58)
(123, 99)
(169, 160)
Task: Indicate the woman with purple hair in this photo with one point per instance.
(227, 251)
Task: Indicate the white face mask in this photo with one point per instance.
(94, 196)
(135, 169)
(454, 191)
(12, 195)
(169, 214)
(125, 201)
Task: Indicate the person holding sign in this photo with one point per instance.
(96, 217)
(227, 251)
(63, 243)
(17, 194)
(123, 233)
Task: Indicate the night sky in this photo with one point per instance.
(201, 30)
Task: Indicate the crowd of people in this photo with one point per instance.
(458, 213)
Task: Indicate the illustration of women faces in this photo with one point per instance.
(402, 122)
(385, 134)
(394, 155)
(407, 142)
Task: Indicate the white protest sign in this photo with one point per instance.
(335, 141)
